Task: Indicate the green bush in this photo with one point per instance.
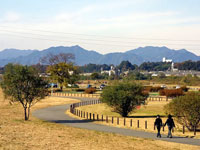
(186, 109)
(124, 97)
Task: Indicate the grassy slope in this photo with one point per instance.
(152, 108)
(17, 134)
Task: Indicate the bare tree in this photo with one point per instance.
(51, 59)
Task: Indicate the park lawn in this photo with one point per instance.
(17, 134)
(146, 113)
(154, 94)
(151, 108)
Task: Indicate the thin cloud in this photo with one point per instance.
(136, 16)
(11, 17)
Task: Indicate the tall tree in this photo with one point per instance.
(51, 59)
(124, 97)
(23, 84)
(125, 65)
(186, 109)
(63, 73)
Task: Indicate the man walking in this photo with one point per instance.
(170, 124)
(158, 124)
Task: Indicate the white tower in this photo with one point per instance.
(164, 59)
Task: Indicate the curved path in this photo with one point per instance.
(57, 114)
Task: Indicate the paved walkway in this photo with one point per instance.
(57, 114)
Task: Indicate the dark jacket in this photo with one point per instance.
(158, 122)
(170, 123)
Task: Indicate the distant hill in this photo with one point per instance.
(155, 54)
(83, 56)
(14, 53)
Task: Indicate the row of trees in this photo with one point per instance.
(188, 65)
(123, 66)
(126, 65)
(146, 66)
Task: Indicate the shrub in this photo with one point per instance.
(186, 109)
(124, 97)
(171, 92)
(153, 89)
(90, 90)
(79, 90)
(184, 88)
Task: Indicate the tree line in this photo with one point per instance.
(123, 66)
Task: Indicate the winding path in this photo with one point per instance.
(57, 114)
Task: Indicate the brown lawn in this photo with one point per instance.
(17, 134)
(151, 109)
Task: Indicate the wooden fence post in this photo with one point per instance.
(124, 121)
(106, 119)
(194, 131)
(138, 123)
(90, 116)
(145, 124)
(97, 117)
(102, 118)
(131, 123)
(117, 120)
(183, 129)
(112, 120)
(93, 116)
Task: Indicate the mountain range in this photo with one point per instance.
(83, 56)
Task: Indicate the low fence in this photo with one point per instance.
(75, 95)
(151, 98)
(143, 123)
(158, 98)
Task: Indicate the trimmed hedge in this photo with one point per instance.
(171, 92)
(90, 90)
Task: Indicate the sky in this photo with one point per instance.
(101, 25)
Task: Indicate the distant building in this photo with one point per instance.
(86, 74)
(109, 72)
(166, 60)
(172, 67)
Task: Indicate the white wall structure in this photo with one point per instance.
(166, 60)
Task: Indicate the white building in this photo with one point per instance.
(166, 60)
(109, 72)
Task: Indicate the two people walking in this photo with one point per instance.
(170, 123)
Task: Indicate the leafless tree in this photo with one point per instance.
(51, 59)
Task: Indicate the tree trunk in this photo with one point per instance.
(28, 112)
(25, 114)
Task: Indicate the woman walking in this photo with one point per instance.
(170, 124)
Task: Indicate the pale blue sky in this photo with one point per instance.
(102, 25)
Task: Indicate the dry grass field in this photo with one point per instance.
(17, 134)
(151, 109)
